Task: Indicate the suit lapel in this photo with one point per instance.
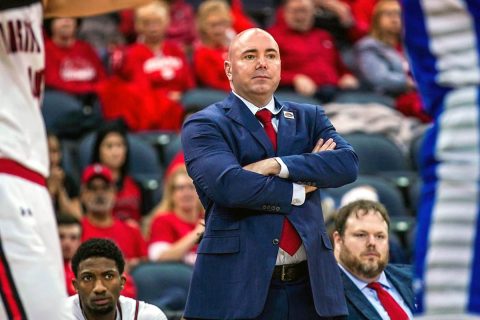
(399, 284)
(356, 298)
(239, 112)
(287, 127)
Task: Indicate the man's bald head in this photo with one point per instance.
(243, 37)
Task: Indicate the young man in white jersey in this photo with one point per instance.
(98, 267)
(31, 275)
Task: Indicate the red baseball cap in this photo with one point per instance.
(96, 170)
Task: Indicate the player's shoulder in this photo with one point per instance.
(73, 306)
(146, 311)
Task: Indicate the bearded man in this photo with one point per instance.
(375, 290)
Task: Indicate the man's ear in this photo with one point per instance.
(123, 280)
(75, 284)
(228, 69)
(337, 238)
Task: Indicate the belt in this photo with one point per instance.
(290, 272)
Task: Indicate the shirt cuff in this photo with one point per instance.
(298, 196)
(284, 173)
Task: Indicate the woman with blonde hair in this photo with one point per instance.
(177, 222)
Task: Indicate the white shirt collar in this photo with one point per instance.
(362, 284)
(254, 109)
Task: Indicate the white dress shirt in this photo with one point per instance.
(372, 297)
(298, 195)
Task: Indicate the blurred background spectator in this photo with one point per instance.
(311, 63)
(97, 194)
(70, 233)
(111, 150)
(103, 33)
(381, 63)
(62, 187)
(214, 23)
(150, 76)
(72, 65)
(177, 222)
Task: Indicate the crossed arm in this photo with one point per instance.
(271, 167)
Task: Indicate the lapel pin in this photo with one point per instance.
(288, 115)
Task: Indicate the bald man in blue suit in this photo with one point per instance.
(249, 182)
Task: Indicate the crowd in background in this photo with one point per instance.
(134, 68)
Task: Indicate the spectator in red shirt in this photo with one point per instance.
(182, 24)
(215, 28)
(177, 222)
(154, 58)
(111, 149)
(98, 196)
(150, 77)
(180, 30)
(72, 66)
(311, 63)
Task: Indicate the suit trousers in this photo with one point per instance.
(291, 301)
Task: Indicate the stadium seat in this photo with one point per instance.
(415, 152)
(197, 99)
(167, 143)
(388, 194)
(377, 153)
(287, 95)
(164, 285)
(363, 97)
(67, 117)
(171, 150)
(57, 107)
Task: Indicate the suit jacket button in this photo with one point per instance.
(264, 207)
(277, 209)
(275, 241)
(268, 207)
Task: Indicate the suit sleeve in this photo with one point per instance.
(216, 171)
(326, 169)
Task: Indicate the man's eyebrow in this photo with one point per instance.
(256, 50)
(272, 49)
(249, 51)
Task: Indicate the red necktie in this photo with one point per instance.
(395, 312)
(290, 240)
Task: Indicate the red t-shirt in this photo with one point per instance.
(312, 53)
(209, 69)
(76, 69)
(170, 228)
(128, 238)
(69, 276)
(128, 201)
(166, 71)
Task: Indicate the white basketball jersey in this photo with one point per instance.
(126, 309)
(22, 64)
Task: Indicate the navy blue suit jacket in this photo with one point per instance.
(359, 308)
(245, 210)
